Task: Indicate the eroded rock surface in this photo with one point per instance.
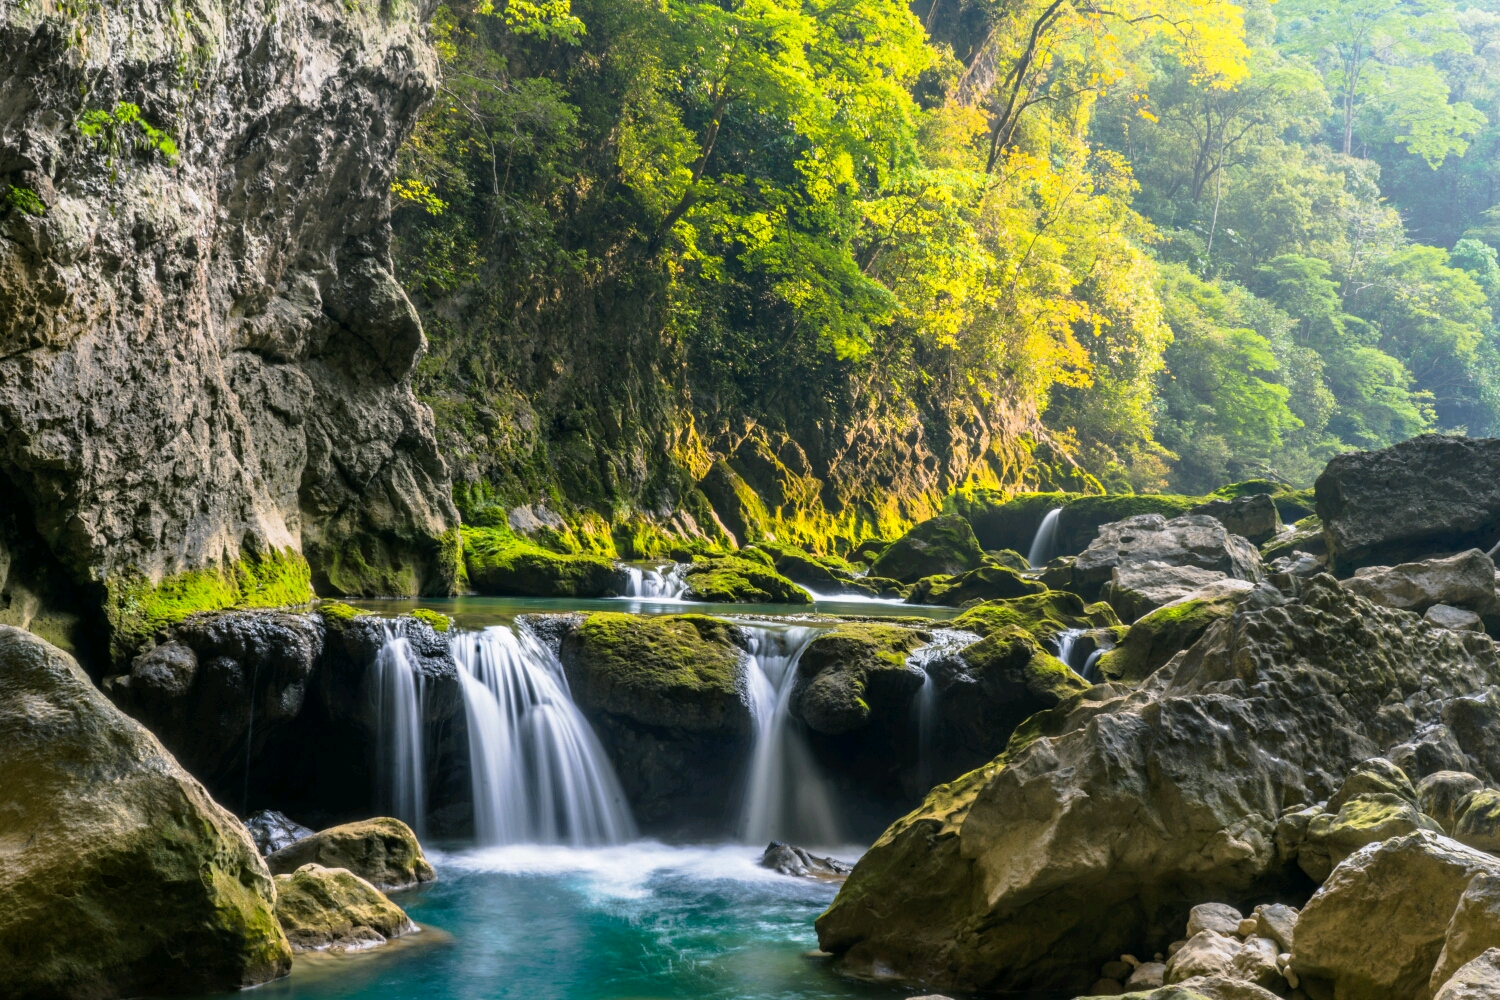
(1194, 540)
(333, 909)
(382, 851)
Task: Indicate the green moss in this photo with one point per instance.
(987, 583)
(854, 672)
(338, 611)
(1291, 504)
(1014, 670)
(137, 609)
(1156, 638)
(942, 546)
(501, 562)
(740, 581)
(1042, 614)
(1011, 523)
(439, 622)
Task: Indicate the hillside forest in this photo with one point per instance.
(1145, 246)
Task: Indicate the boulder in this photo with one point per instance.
(1043, 615)
(119, 875)
(1218, 917)
(1004, 879)
(943, 546)
(854, 672)
(1278, 922)
(382, 851)
(1192, 540)
(1253, 517)
(789, 860)
(1222, 988)
(1147, 976)
(501, 563)
(272, 831)
(1207, 953)
(733, 580)
(1137, 589)
(1160, 635)
(1377, 926)
(333, 909)
(1478, 823)
(1376, 776)
(1473, 929)
(1439, 795)
(1457, 619)
(987, 583)
(1430, 495)
(1256, 963)
(1376, 802)
(1474, 722)
(1304, 538)
(1476, 980)
(1466, 580)
(1429, 750)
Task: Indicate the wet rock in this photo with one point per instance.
(1252, 517)
(128, 879)
(506, 567)
(1378, 924)
(1207, 953)
(1043, 615)
(853, 673)
(272, 831)
(1376, 776)
(1466, 580)
(789, 860)
(1473, 929)
(740, 581)
(333, 909)
(1430, 495)
(1278, 922)
(1440, 794)
(942, 546)
(1478, 823)
(1137, 589)
(1192, 540)
(1477, 980)
(382, 851)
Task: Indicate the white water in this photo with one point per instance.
(400, 767)
(1065, 641)
(539, 774)
(945, 642)
(786, 797)
(1088, 668)
(1045, 542)
(654, 583)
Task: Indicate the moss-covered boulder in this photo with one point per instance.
(502, 564)
(382, 851)
(1008, 558)
(333, 909)
(740, 580)
(1015, 671)
(676, 671)
(1363, 819)
(987, 583)
(853, 672)
(119, 876)
(1042, 614)
(1156, 638)
(943, 546)
(1001, 523)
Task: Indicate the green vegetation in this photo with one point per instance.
(501, 562)
(439, 621)
(23, 199)
(1043, 615)
(1157, 637)
(741, 581)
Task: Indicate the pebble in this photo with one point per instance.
(1247, 927)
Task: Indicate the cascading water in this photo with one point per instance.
(539, 774)
(1065, 640)
(945, 642)
(400, 769)
(786, 797)
(655, 583)
(1045, 541)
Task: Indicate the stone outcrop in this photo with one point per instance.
(1466, 580)
(1004, 879)
(383, 852)
(942, 546)
(205, 361)
(272, 831)
(1473, 929)
(1253, 517)
(1478, 980)
(1191, 540)
(1431, 495)
(1137, 589)
(790, 860)
(333, 909)
(119, 876)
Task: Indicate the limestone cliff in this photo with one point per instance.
(205, 362)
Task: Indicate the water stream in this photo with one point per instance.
(1044, 544)
(945, 642)
(655, 583)
(400, 769)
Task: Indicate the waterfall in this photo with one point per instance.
(1045, 542)
(1065, 641)
(945, 642)
(654, 583)
(786, 797)
(400, 767)
(539, 774)
(1088, 666)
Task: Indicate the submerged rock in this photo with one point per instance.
(789, 860)
(942, 546)
(333, 909)
(382, 851)
(120, 876)
(1006, 879)
(272, 831)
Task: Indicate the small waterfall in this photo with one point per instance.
(945, 642)
(654, 583)
(539, 774)
(1065, 640)
(1088, 666)
(400, 768)
(1045, 542)
(786, 797)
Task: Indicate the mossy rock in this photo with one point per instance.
(1043, 614)
(1368, 818)
(738, 580)
(1291, 504)
(501, 564)
(674, 671)
(824, 574)
(854, 672)
(987, 583)
(943, 546)
(1014, 670)
(1009, 558)
(1306, 536)
(1012, 523)
(440, 622)
(1156, 638)
(333, 909)
(382, 851)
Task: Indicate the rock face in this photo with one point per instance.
(205, 362)
(1192, 540)
(1253, 517)
(942, 546)
(383, 852)
(333, 909)
(1466, 580)
(1137, 589)
(1430, 495)
(1473, 929)
(119, 876)
(1478, 980)
(1005, 878)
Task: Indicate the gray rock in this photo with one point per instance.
(1477, 980)
(789, 860)
(1466, 580)
(1147, 976)
(1278, 922)
(1431, 750)
(1219, 988)
(1439, 795)
(1218, 917)
(1478, 822)
(1430, 495)
(1474, 721)
(1207, 953)
(1457, 619)
(1191, 540)
(1473, 929)
(1252, 517)
(1137, 589)
(272, 831)
(1256, 962)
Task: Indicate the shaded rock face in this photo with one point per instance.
(272, 831)
(1004, 879)
(204, 357)
(119, 875)
(942, 546)
(1431, 495)
(1137, 589)
(1466, 580)
(1192, 540)
(1252, 517)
